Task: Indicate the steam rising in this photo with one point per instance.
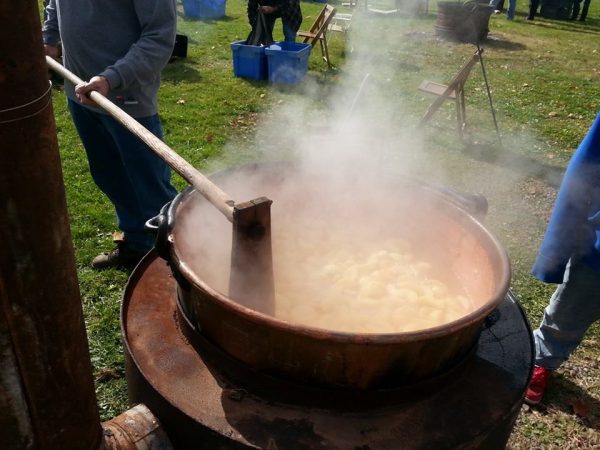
(347, 153)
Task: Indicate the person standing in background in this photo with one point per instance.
(533, 7)
(120, 47)
(512, 6)
(499, 6)
(584, 11)
(570, 257)
(288, 10)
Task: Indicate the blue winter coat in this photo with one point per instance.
(574, 227)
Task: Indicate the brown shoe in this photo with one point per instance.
(122, 257)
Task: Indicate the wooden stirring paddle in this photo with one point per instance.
(251, 281)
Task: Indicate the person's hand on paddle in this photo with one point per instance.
(97, 83)
(267, 9)
(53, 51)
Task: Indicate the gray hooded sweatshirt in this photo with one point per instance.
(127, 41)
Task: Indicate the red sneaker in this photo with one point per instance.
(537, 385)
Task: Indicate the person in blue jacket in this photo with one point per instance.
(570, 257)
(120, 47)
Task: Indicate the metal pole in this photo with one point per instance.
(47, 398)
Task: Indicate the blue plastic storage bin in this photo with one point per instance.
(287, 62)
(249, 61)
(204, 9)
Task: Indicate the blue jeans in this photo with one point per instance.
(499, 5)
(573, 308)
(288, 33)
(135, 180)
(512, 6)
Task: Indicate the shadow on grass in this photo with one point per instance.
(590, 26)
(254, 83)
(492, 40)
(567, 397)
(502, 156)
(185, 18)
(181, 70)
(499, 42)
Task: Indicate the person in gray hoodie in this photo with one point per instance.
(120, 46)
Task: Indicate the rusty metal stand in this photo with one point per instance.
(203, 404)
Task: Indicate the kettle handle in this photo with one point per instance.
(161, 226)
(475, 204)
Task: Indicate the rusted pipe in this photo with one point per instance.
(135, 429)
(47, 398)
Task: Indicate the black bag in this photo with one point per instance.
(260, 34)
(180, 48)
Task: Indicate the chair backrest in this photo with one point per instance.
(319, 27)
(454, 89)
(461, 77)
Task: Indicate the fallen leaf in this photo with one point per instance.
(210, 137)
(107, 373)
(118, 236)
(580, 408)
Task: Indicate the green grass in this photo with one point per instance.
(545, 82)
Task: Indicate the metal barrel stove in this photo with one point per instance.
(219, 375)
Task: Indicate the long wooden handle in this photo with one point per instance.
(202, 184)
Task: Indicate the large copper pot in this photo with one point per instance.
(464, 251)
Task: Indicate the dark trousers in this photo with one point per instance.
(533, 7)
(584, 11)
(135, 180)
(288, 34)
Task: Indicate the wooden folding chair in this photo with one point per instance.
(318, 31)
(454, 91)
